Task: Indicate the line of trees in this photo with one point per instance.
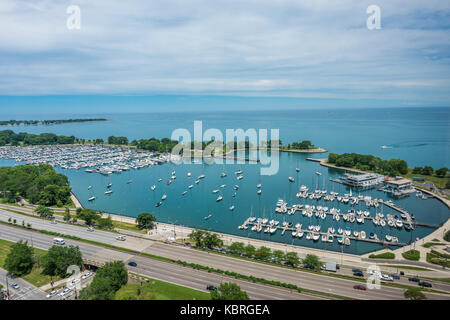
(369, 163)
(93, 218)
(304, 145)
(44, 122)
(429, 171)
(9, 137)
(39, 184)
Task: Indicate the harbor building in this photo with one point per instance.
(363, 180)
(399, 187)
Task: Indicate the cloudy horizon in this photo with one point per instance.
(290, 49)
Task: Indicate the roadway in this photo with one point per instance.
(156, 269)
(26, 291)
(302, 279)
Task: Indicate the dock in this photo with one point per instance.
(288, 228)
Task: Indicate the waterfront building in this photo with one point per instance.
(399, 187)
(363, 180)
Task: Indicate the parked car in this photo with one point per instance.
(414, 279)
(211, 288)
(359, 287)
(425, 284)
(356, 270)
(87, 275)
(15, 286)
(402, 273)
(65, 291)
(358, 274)
(53, 293)
(75, 281)
(132, 264)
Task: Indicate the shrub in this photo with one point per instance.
(386, 255)
(413, 255)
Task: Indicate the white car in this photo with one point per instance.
(53, 222)
(65, 291)
(75, 281)
(87, 275)
(120, 238)
(53, 293)
(15, 286)
(385, 277)
(90, 229)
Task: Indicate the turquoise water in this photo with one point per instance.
(190, 209)
(420, 136)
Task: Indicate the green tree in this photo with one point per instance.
(292, 259)
(442, 172)
(145, 221)
(263, 253)
(250, 251)
(332, 157)
(211, 240)
(44, 212)
(115, 272)
(311, 261)
(19, 260)
(278, 256)
(197, 236)
(105, 223)
(417, 170)
(58, 259)
(88, 215)
(428, 171)
(237, 247)
(99, 289)
(67, 215)
(229, 291)
(414, 294)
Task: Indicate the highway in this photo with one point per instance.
(302, 279)
(156, 269)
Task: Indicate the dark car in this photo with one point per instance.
(187, 244)
(211, 288)
(425, 284)
(356, 270)
(402, 273)
(395, 276)
(414, 279)
(132, 264)
(359, 287)
(358, 274)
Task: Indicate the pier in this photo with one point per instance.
(285, 228)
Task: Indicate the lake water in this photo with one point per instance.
(420, 136)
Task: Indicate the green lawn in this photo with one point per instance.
(34, 277)
(386, 255)
(406, 267)
(438, 181)
(413, 255)
(159, 290)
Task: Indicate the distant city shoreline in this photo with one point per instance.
(46, 122)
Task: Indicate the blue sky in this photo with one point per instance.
(185, 54)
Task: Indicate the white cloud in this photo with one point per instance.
(255, 47)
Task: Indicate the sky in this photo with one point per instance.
(285, 53)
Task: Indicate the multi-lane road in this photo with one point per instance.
(193, 278)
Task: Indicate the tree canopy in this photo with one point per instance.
(39, 184)
(58, 259)
(229, 291)
(19, 260)
(145, 221)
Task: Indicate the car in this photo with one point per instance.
(358, 274)
(385, 277)
(120, 238)
(414, 279)
(211, 288)
(356, 270)
(53, 222)
(90, 229)
(65, 291)
(360, 287)
(337, 267)
(87, 275)
(75, 281)
(425, 284)
(395, 276)
(402, 273)
(53, 293)
(132, 264)
(15, 286)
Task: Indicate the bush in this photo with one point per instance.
(386, 255)
(413, 255)
(447, 236)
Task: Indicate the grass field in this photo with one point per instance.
(34, 277)
(406, 267)
(438, 181)
(159, 290)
